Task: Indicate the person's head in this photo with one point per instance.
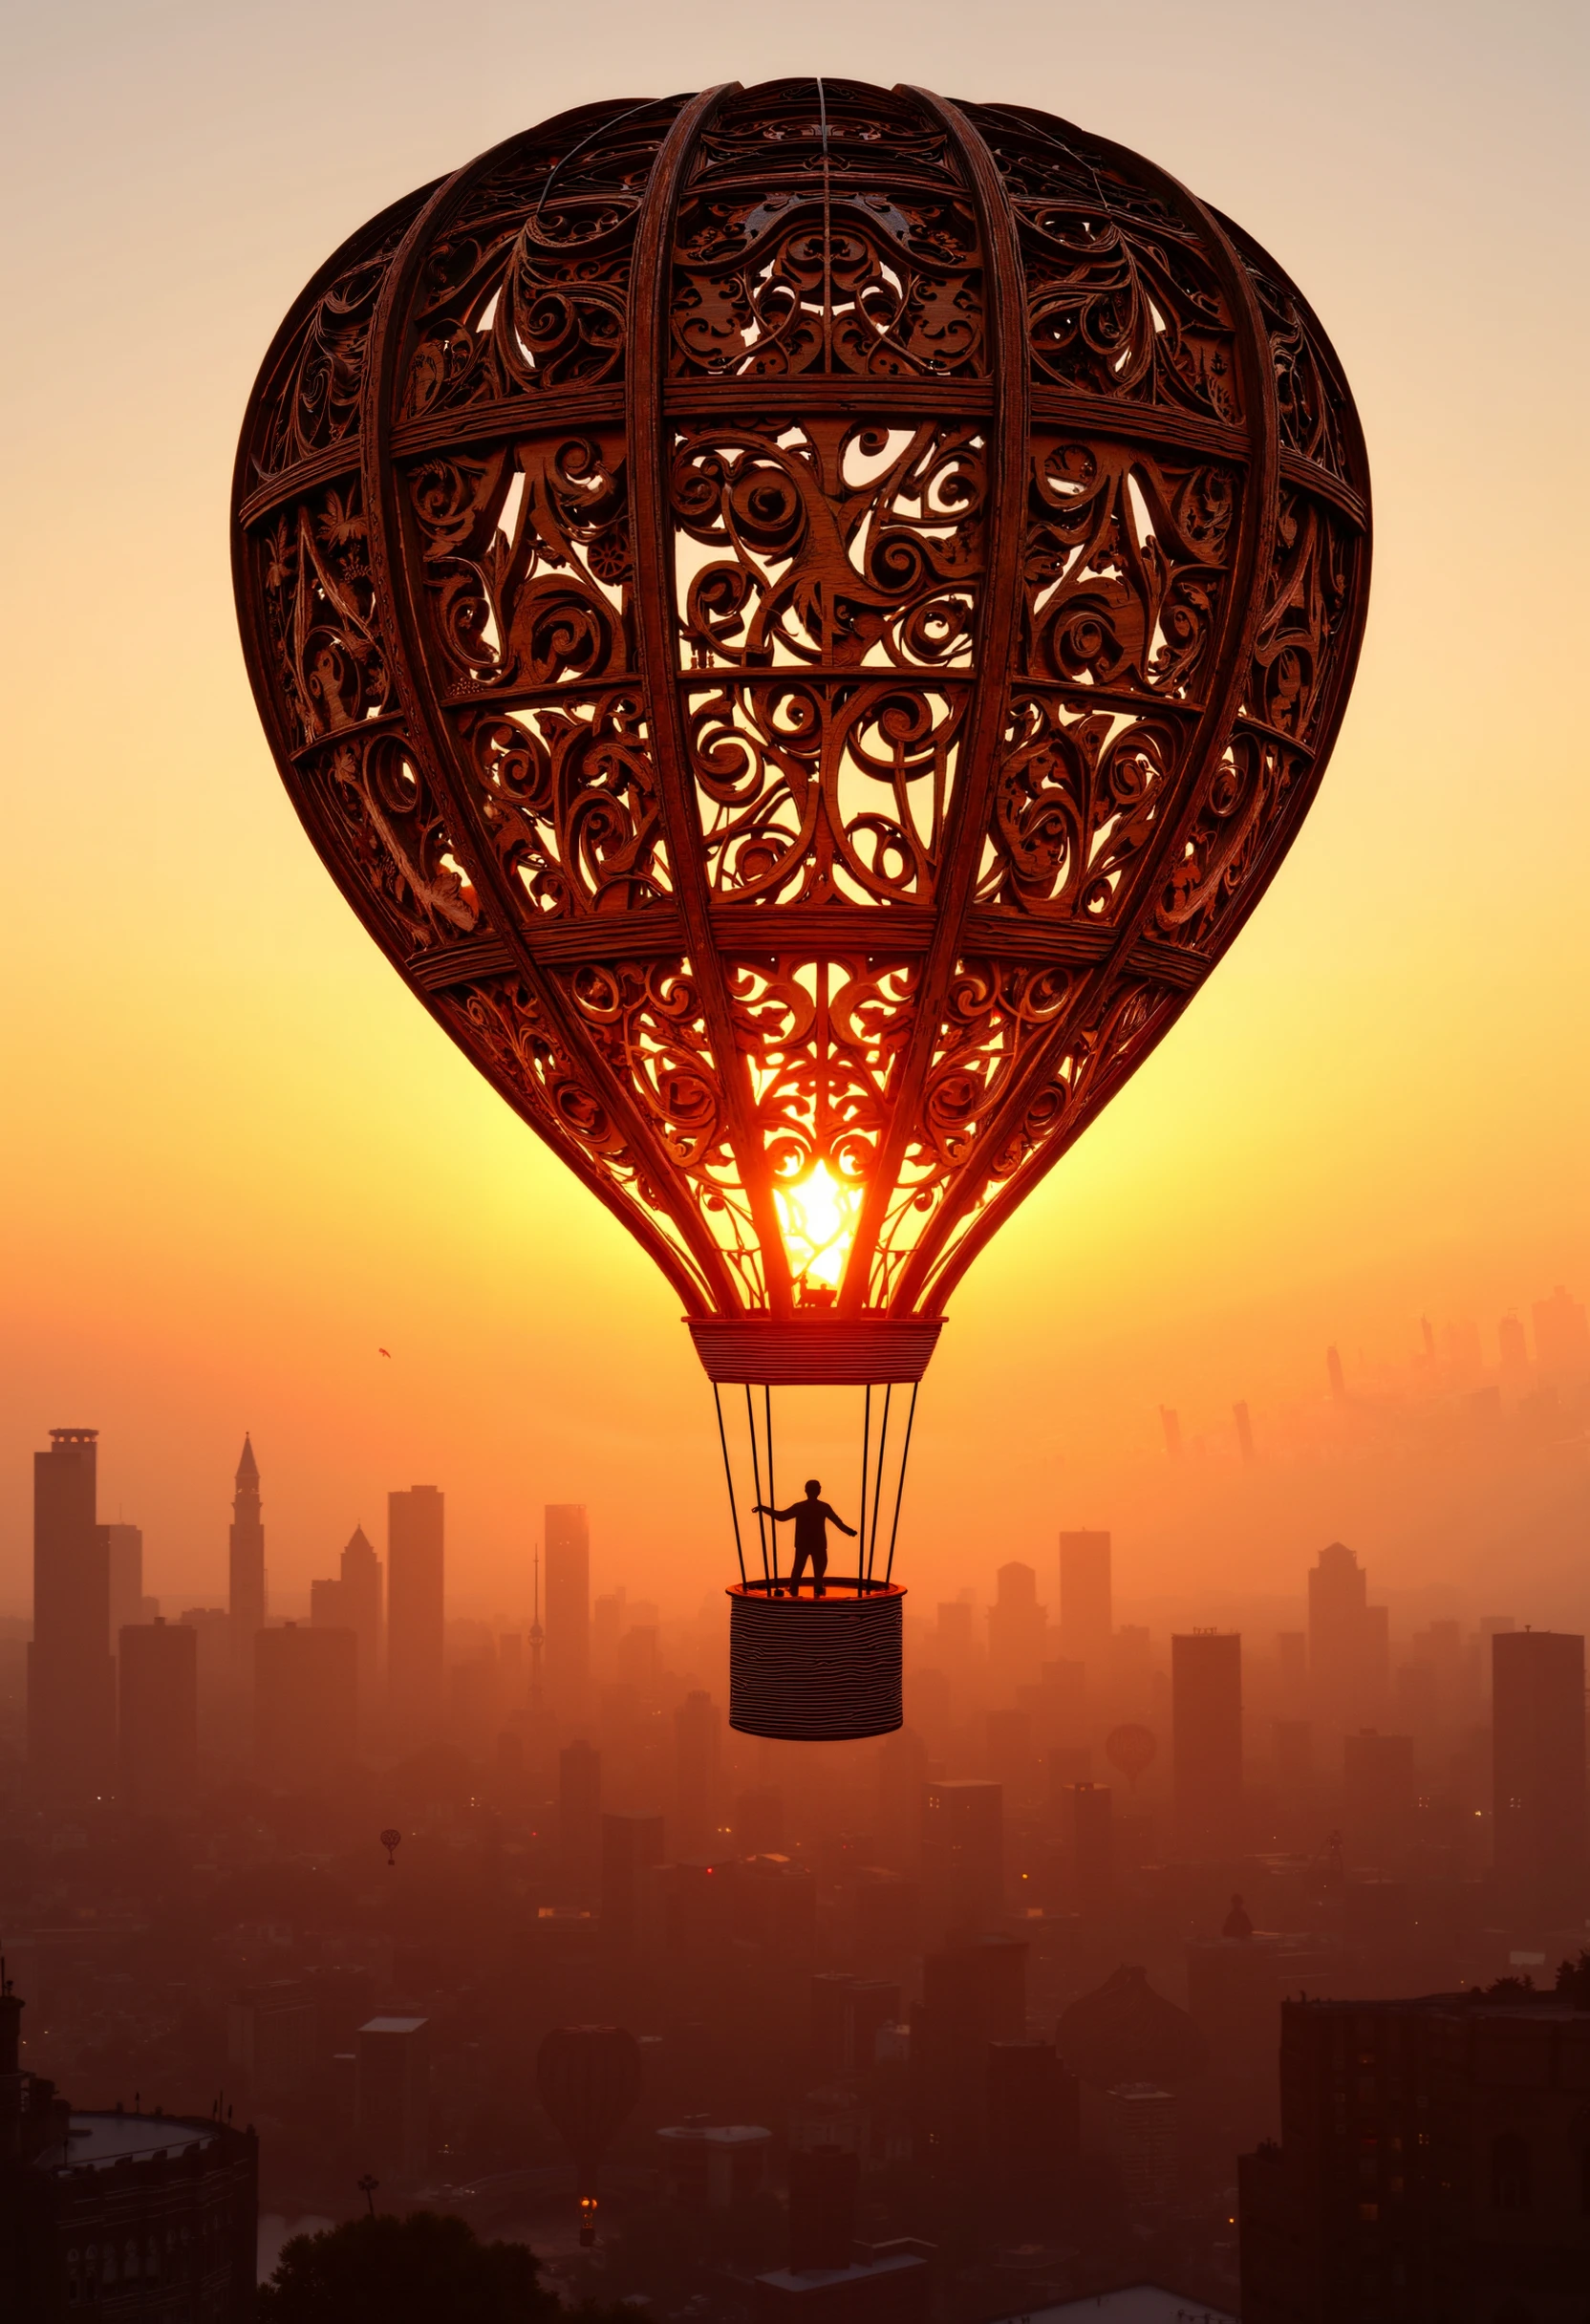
(814, 1486)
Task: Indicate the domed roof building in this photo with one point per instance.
(1125, 2032)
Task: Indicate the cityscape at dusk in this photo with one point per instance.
(795, 1411)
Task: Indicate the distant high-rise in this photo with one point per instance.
(972, 1994)
(1561, 1337)
(1243, 1420)
(1089, 1841)
(1170, 1422)
(1537, 1744)
(1348, 1654)
(1018, 1629)
(1513, 1350)
(124, 1570)
(697, 1751)
(158, 1716)
(353, 1601)
(71, 1670)
(1336, 1375)
(415, 1600)
(392, 2101)
(567, 1551)
(245, 1561)
(1206, 1718)
(1378, 1794)
(632, 1845)
(1086, 1603)
(580, 1822)
(306, 1705)
(963, 1858)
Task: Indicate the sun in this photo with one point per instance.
(817, 1216)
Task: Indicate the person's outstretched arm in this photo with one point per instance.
(834, 1515)
(782, 1515)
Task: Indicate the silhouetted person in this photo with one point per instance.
(812, 1518)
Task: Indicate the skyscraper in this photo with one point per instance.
(158, 1716)
(1087, 1605)
(698, 1755)
(1561, 1337)
(1537, 1745)
(568, 1603)
(632, 1845)
(1206, 1721)
(414, 1591)
(125, 1569)
(71, 1672)
(1348, 1655)
(245, 1561)
(580, 1822)
(306, 1705)
(963, 1859)
(353, 1601)
(1017, 1628)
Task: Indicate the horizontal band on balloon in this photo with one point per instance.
(815, 1670)
(816, 1352)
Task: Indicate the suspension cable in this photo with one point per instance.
(899, 1493)
(772, 1493)
(728, 1479)
(755, 1480)
(866, 1448)
(877, 1482)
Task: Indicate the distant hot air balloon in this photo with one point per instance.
(390, 1840)
(589, 2079)
(803, 620)
(1132, 1749)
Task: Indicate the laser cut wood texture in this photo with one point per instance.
(803, 620)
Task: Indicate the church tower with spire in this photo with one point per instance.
(245, 1566)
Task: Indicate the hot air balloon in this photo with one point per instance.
(803, 620)
(391, 1841)
(1132, 1749)
(589, 2079)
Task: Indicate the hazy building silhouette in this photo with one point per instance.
(125, 1576)
(607, 1627)
(245, 1561)
(416, 1568)
(391, 2103)
(963, 1858)
(697, 1764)
(1142, 2137)
(1432, 2164)
(633, 1845)
(1206, 1724)
(71, 1670)
(1378, 1794)
(1086, 1600)
(1562, 1338)
(121, 2214)
(1537, 1744)
(1017, 1631)
(1012, 1762)
(1170, 1422)
(213, 1635)
(354, 1601)
(580, 1822)
(567, 1554)
(972, 1994)
(1243, 1420)
(1336, 1376)
(758, 1821)
(1089, 1837)
(306, 1705)
(158, 1716)
(1516, 1378)
(1349, 1650)
(955, 1648)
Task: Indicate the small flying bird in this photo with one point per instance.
(384, 1351)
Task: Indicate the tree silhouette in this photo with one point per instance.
(427, 2269)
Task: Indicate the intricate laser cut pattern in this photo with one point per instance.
(1016, 538)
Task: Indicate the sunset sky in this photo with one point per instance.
(242, 1160)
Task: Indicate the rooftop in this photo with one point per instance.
(96, 2140)
(1136, 2304)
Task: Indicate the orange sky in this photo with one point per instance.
(242, 1159)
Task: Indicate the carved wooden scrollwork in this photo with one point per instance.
(804, 619)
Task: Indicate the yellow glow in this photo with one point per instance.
(817, 1215)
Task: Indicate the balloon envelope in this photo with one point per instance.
(589, 2079)
(803, 620)
(1132, 1749)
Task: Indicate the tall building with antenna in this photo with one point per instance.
(71, 1674)
(245, 1561)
